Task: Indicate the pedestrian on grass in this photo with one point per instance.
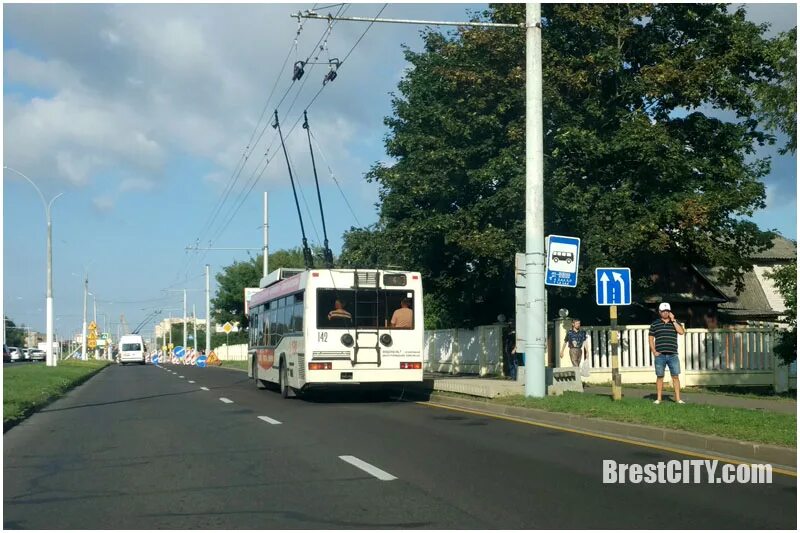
(664, 347)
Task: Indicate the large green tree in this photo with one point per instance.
(637, 162)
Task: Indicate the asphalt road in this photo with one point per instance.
(140, 447)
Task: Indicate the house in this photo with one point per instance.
(759, 300)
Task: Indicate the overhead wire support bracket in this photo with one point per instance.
(327, 254)
(307, 256)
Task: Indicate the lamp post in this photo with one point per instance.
(51, 360)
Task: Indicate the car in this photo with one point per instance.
(16, 354)
(26, 354)
(37, 355)
(6, 354)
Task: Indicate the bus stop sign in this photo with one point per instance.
(562, 261)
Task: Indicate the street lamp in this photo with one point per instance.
(51, 360)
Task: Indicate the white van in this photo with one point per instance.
(131, 349)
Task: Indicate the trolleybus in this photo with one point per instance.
(318, 328)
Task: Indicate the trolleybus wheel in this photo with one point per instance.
(284, 382)
(259, 382)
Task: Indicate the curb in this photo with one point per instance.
(676, 440)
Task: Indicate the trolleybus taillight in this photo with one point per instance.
(411, 366)
(320, 366)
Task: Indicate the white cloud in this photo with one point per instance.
(136, 184)
(104, 204)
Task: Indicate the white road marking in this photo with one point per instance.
(204, 388)
(180, 377)
(269, 420)
(191, 381)
(225, 400)
(368, 468)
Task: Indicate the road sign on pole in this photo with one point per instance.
(613, 286)
(227, 327)
(179, 351)
(562, 261)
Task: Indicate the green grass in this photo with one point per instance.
(241, 365)
(757, 392)
(27, 388)
(743, 424)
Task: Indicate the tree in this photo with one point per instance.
(785, 278)
(778, 101)
(636, 161)
(15, 336)
(228, 304)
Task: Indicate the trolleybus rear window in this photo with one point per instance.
(363, 308)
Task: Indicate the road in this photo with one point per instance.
(140, 447)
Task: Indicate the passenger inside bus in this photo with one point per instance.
(339, 312)
(403, 318)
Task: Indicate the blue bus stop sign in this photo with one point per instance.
(563, 254)
(201, 361)
(179, 351)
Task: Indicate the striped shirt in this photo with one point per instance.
(666, 337)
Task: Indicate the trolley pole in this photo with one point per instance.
(265, 269)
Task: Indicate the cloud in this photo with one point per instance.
(136, 184)
(103, 204)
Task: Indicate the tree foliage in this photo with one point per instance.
(637, 162)
(785, 278)
(778, 101)
(15, 336)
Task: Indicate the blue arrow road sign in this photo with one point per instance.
(613, 286)
(179, 351)
(154, 359)
(201, 361)
(562, 261)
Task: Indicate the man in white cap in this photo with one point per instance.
(664, 346)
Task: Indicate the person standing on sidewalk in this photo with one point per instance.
(576, 341)
(664, 346)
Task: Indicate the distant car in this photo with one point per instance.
(37, 355)
(6, 354)
(16, 353)
(26, 354)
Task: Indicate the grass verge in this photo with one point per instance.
(240, 365)
(30, 387)
(765, 427)
(757, 392)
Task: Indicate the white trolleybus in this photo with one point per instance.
(318, 328)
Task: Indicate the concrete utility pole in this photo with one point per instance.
(534, 205)
(194, 327)
(85, 296)
(50, 358)
(208, 309)
(265, 269)
(536, 329)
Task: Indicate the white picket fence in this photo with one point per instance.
(701, 349)
(725, 356)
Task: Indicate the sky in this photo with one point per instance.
(140, 114)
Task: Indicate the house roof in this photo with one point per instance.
(782, 249)
(750, 302)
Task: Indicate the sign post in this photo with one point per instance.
(613, 287)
